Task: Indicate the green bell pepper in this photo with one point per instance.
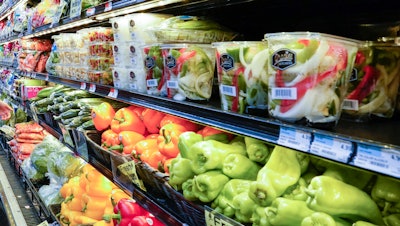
(257, 150)
(221, 137)
(208, 185)
(364, 223)
(188, 192)
(297, 191)
(386, 193)
(281, 171)
(347, 175)
(259, 217)
(209, 155)
(392, 220)
(287, 211)
(180, 170)
(224, 202)
(323, 219)
(186, 140)
(244, 207)
(334, 197)
(238, 166)
(304, 160)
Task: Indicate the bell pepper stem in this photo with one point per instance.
(109, 217)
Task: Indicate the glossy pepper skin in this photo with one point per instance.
(126, 139)
(318, 218)
(386, 193)
(287, 211)
(208, 185)
(257, 150)
(169, 138)
(334, 197)
(211, 133)
(180, 171)
(185, 142)
(209, 155)
(188, 190)
(392, 220)
(124, 212)
(151, 119)
(224, 202)
(109, 138)
(126, 119)
(238, 166)
(280, 172)
(102, 115)
(297, 191)
(189, 125)
(244, 207)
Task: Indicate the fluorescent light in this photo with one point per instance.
(135, 8)
(9, 11)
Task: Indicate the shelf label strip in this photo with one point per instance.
(75, 8)
(332, 148)
(294, 138)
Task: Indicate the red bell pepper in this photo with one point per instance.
(147, 220)
(367, 84)
(124, 212)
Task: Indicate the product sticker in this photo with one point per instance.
(294, 138)
(214, 218)
(83, 85)
(283, 59)
(92, 88)
(228, 90)
(113, 93)
(349, 104)
(46, 78)
(129, 169)
(376, 159)
(332, 148)
(284, 93)
(90, 11)
(226, 62)
(152, 83)
(170, 62)
(75, 8)
(108, 6)
(172, 84)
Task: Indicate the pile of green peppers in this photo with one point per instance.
(254, 182)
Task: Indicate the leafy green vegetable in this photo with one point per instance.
(40, 153)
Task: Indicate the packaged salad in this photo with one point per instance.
(374, 83)
(243, 75)
(308, 76)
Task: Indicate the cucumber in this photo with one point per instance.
(68, 114)
(88, 125)
(60, 92)
(45, 92)
(78, 121)
(44, 102)
(75, 94)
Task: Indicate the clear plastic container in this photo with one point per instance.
(374, 83)
(101, 49)
(308, 76)
(132, 27)
(100, 63)
(130, 79)
(188, 70)
(127, 54)
(104, 77)
(100, 34)
(154, 69)
(242, 69)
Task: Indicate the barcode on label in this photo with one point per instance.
(228, 90)
(379, 164)
(350, 104)
(172, 84)
(152, 83)
(284, 93)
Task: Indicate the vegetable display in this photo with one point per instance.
(374, 82)
(242, 75)
(308, 76)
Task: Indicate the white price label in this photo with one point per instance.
(133, 35)
(214, 218)
(294, 138)
(376, 159)
(133, 60)
(113, 93)
(44, 223)
(33, 75)
(133, 86)
(83, 85)
(116, 37)
(117, 59)
(92, 88)
(394, 163)
(333, 148)
(91, 11)
(284, 93)
(75, 8)
(228, 90)
(46, 78)
(172, 84)
(108, 6)
(152, 83)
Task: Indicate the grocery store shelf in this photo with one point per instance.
(346, 143)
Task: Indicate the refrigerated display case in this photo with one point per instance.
(372, 146)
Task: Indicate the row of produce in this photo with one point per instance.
(250, 181)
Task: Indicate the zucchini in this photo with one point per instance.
(67, 106)
(73, 95)
(78, 121)
(58, 100)
(88, 125)
(60, 92)
(45, 92)
(84, 112)
(66, 121)
(44, 102)
(68, 114)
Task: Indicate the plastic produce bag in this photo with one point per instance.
(40, 154)
(31, 172)
(50, 194)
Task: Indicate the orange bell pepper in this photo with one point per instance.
(98, 184)
(116, 195)
(138, 110)
(211, 133)
(166, 165)
(189, 125)
(152, 136)
(109, 138)
(152, 119)
(156, 159)
(127, 139)
(168, 139)
(102, 116)
(126, 119)
(144, 145)
(103, 223)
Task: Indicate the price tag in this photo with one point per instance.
(33, 75)
(214, 218)
(133, 35)
(44, 223)
(113, 93)
(90, 11)
(83, 85)
(75, 8)
(294, 138)
(228, 90)
(133, 60)
(129, 169)
(394, 163)
(152, 83)
(376, 159)
(46, 78)
(57, 16)
(333, 148)
(108, 6)
(172, 84)
(92, 88)
(133, 86)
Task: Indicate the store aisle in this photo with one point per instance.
(17, 204)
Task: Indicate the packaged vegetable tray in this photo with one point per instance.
(374, 83)
(308, 76)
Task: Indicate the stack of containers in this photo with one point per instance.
(100, 55)
(129, 37)
(182, 66)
